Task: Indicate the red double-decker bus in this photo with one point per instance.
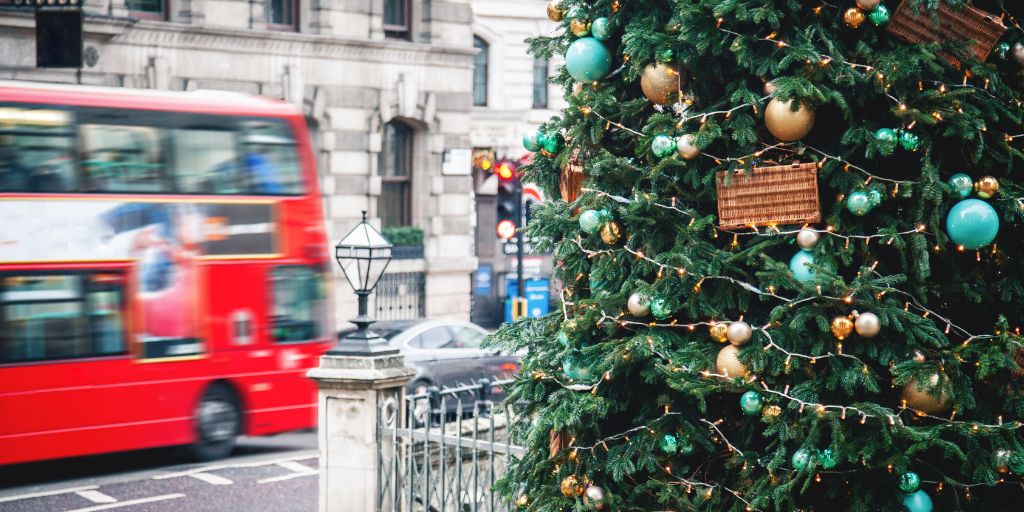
(162, 270)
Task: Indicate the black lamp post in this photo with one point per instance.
(363, 255)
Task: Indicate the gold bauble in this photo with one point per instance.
(571, 487)
(720, 332)
(772, 412)
(555, 11)
(919, 399)
(611, 232)
(986, 187)
(661, 82)
(854, 17)
(868, 5)
(842, 327)
(786, 125)
(728, 363)
(579, 27)
(522, 501)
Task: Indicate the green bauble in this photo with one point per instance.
(801, 458)
(550, 142)
(1016, 463)
(1002, 49)
(590, 221)
(588, 60)
(887, 140)
(600, 29)
(531, 140)
(879, 16)
(909, 482)
(563, 339)
(827, 458)
(798, 266)
(972, 223)
(572, 369)
(858, 203)
(668, 444)
(917, 502)
(663, 145)
(751, 403)
(606, 214)
(961, 184)
(875, 197)
(908, 140)
(660, 309)
(597, 286)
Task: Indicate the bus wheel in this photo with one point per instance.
(218, 423)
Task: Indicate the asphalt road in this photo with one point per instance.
(276, 474)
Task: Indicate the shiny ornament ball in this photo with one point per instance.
(785, 124)
(807, 238)
(661, 83)
(859, 203)
(1001, 459)
(917, 502)
(638, 305)
(880, 16)
(660, 309)
(668, 444)
(728, 362)
(961, 184)
(798, 265)
(909, 141)
(986, 187)
(841, 327)
(868, 325)
(854, 17)
(751, 403)
(739, 333)
(827, 458)
(1002, 49)
(572, 369)
(686, 148)
(770, 88)
(550, 142)
(563, 339)
(600, 29)
(875, 197)
(887, 140)
(720, 332)
(590, 221)
(571, 487)
(972, 223)
(918, 357)
(1017, 52)
(606, 214)
(772, 412)
(801, 458)
(588, 60)
(919, 399)
(611, 232)
(662, 145)
(909, 482)
(555, 11)
(579, 27)
(868, 5)
(594, 497)
(531, 140)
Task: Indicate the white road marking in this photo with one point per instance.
(295, 467)
(211, 478)
(289, 476)
(129, 503)
(96, 496)
(232, 466)
(48, 493)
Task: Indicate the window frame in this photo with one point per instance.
(485, 51)
(542, 85)
(320, 323)
(395, 31)
(405, 217)
(150, 15)
(282, 27)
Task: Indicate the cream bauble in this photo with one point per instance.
(807, 238)
(785, 124)
(868, 5)
(660, 83)
(729, 364)
(868, 325)
(686, 148)
(739, 333)
(638, 305)
(919, 399)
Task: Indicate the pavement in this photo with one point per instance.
(276, 474)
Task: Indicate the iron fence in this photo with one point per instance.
(443, 450)
(400, 296)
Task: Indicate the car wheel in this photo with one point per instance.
(218, 424)
(420, 406)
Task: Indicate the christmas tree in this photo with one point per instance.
(788, 250)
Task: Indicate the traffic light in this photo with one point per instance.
(510, 199)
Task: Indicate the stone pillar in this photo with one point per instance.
(352, 390)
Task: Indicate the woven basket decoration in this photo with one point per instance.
(982, 29)
(570, 180)
(782, 194)
(559, 441)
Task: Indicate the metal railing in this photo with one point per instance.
(400, 296)
(443, 450)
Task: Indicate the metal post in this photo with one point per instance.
(519, 238)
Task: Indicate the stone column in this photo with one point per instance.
(352, 390)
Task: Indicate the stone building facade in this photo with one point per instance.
(386, 86)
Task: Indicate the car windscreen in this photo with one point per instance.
(464, 337)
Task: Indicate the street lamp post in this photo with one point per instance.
(363, 255)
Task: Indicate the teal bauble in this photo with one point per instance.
(827, 458)
(909, 482)
(563, 339)
(590, 221)
(550, 142)
(606, 214)
(879, 16)
(887, 140)
(908, 140)
(668, 444)
(798, 266)
(1002, 48)
(660, 309)
(1016, 463)
(597, 286)
(751, 403)
(663, 145)
(587, 60)
(972, 223)
(917, 502)
(961, 184)
(858, 203)
(875, 197)
(801, 458)
(600, 29)
(572, 369)
(531, 141)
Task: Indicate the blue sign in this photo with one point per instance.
(482, 279)
(536, 297)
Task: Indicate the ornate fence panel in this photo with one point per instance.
(443, 450)
(400, 296)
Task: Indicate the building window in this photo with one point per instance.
(394, 206)
(396, 19)
(540, 83)
(297, 304)
(480, 72)
(149, 9)
(282, 14)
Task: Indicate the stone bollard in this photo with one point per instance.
(352, 390)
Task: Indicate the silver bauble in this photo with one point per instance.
(686, 148)
(594, 497)
(638, 305)
(1017, 52)
(868, 325)
(807, 238)
(739, 333)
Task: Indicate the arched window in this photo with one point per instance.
(480, 72)
(394, 206)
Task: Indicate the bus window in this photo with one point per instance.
(122, 158)
(270, 163)
(297, 303)
(205, 161)
(36, 150)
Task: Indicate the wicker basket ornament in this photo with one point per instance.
(559, 440)
(768, 196)
(983, 30)
(570, 180)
